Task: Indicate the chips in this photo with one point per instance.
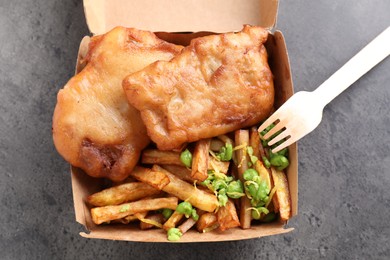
(154, 193)
(200, 161)
(108, 213)
(242, 139)
(122, 193)
(282, 194)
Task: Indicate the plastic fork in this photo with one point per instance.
(302, 113)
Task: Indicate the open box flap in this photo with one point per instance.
(179, 15)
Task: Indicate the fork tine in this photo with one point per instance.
(279, 137)
(274, 130)
(285, 144)
(267, 122)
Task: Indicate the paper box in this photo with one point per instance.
(179, 21)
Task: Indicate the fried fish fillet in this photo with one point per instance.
(94, 127)
(218, 84)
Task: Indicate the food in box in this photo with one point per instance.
(84, 186)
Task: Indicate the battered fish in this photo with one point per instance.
(94, 127)
(217, 84)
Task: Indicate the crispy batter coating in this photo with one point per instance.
(94, 127)
(218, 84)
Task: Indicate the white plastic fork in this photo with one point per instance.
(302, 113)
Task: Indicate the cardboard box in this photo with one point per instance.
(175, 20)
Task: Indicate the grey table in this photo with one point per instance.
(344, 176)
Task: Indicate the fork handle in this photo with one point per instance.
(377, 50)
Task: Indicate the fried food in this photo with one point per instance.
(109, 213)
(122, 193)
(242, 139)
(187, 192)
(175, 218)
(282, 195)
(200, 160)
(218, 84)
(207, 222)
(157, 180)
(227, 216)
(94, 127)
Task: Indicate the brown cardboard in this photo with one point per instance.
(83, 185)
(179, 15)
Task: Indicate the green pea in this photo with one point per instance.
(267, 129)
(184, 208)
(271, 154)
(257, 179)
(186, 158)
(194, 215)
(174, 234)
(279, 161)
(256, 213)
(263, 185)
(260, 194)
(235, 189)
(254, 203)
(251, 156)
(205, 182)
(167, 213)
(250, 174)
(251, 189)
(219, 184)
(266, 162)
(222, 199)
(228, 178)
(257, 203)
(263, 210)
(283, 152)
(226, 152)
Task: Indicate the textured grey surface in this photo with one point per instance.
(344, 177)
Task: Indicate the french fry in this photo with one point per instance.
(190, 222)
(187, 225)
(282, 194)
(254, 142)
(122, 193)
(154, 156)
(173, 220)
(157, 180)
(108, 213)
(187, 192)
(225, 139)
(180, 171)
(227, 216)
(264, 173)
(151, 221)
(214, 164)
(216, 145)
(276, 204)
(207, 222)
(242, 138)
(200, 160)
(130, 218)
